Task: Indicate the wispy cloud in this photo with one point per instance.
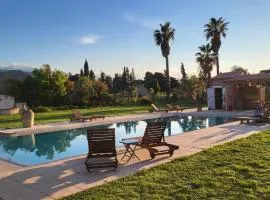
(147, 23)
(87, 39)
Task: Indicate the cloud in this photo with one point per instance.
(88, 39)
(147, 23)
(17, 66)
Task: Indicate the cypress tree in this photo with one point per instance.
(86, 68)
(81, 73)
(183, 71)
(92, 75)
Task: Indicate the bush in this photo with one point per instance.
(42, 109)
(173, 97)
(67, 107)
(145, 100)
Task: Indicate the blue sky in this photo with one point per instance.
(113, 34)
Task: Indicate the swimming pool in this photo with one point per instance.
(47, 147)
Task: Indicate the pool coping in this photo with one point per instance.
(51, 127)
(70, 126)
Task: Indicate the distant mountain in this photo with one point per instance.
(20, 67)
(16, 74)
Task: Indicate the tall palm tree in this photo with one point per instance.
(206, 60)
(214, 30)
(162, 38)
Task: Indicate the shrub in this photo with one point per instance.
(67, 107)
(145, 100)
(42, 109)
(173, 97)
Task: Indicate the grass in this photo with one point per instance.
(14, 121)
(236, 170)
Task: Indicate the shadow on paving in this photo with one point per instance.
(63, 178)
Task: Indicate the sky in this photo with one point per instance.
(114, 34)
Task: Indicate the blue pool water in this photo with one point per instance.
(46, 147)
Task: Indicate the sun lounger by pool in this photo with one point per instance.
(264, 118)
(101, 149)
(153, 138)
(176, 108)
(155, 109)
(77, 116)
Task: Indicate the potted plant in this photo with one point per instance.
(199, 94)
(199, 102)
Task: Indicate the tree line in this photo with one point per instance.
(47, 87)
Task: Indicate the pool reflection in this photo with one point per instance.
(40, 148)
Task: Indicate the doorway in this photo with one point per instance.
(218, 98)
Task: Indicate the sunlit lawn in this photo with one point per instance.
(237, 170)
(12, 121)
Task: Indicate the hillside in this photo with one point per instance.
(17, 74)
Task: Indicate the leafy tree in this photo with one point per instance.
(92, 75)
(117, 84)
(74, 77)
(13, 87)
(214, 30)
(188, 87)
(86, 68)
(206, 60)
(109, 82)
(57, 86)
(148, 76)
(83, 91)
(236, 68)
(45, 87)
(31, 91)
(152, 84)
(70, 88)
(100, 89)
(183, 71)
(162, 81)
(162, 38)
(174, 83)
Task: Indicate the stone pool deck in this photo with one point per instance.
(61, 178)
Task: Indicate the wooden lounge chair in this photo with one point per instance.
(264, 118)
(153, 138)
(176, 108)
(155, 109)
(77, 116)
(102, 152)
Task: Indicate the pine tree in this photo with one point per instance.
(81, 73)
(183, 71)
(92, 75)
(86, 68)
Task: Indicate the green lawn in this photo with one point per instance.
(14, 121)
(236, 170)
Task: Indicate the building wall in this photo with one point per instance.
(6, 102)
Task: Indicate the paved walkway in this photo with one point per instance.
(61, 178)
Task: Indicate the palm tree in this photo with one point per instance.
(162, 38)
(214, 30)
(206, 60)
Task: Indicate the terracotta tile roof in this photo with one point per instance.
(240, 76)
(228, 75)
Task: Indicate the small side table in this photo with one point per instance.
(130, 152)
